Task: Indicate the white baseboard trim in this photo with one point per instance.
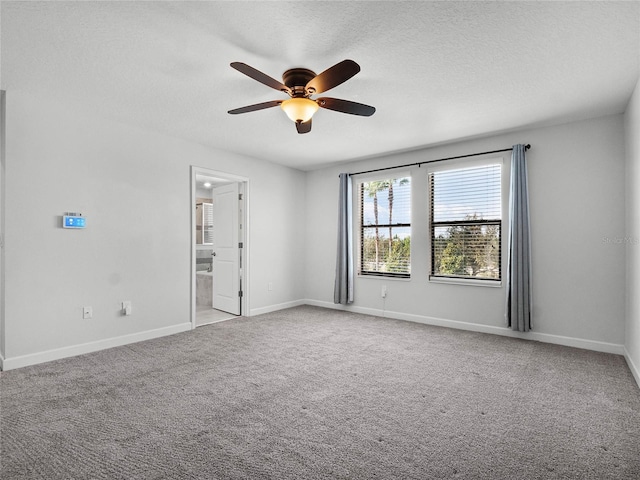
(474, 327)
(49, 355)
(73, 350)
(276, 307)
(632, 366)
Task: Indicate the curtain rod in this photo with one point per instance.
(526, 147)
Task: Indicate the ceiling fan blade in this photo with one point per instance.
(346, 106)
(333, 76)
(260, 77)
(257, 106)
(303, 127)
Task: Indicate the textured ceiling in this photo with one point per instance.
(435, 71)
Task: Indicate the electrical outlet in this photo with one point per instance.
(383, 293)
(87, 312)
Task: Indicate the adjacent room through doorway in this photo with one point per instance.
(219, 241)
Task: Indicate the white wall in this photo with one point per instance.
(2, 210)
(203, 193)
(133, 186)
(632, 238)
(576, 181)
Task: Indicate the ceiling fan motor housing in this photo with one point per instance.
(296, 79)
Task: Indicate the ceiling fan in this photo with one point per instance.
(300, 84)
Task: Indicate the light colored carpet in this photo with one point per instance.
(310, 393)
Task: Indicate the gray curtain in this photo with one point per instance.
(343, 289)
(518, 307)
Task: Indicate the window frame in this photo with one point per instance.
(503, 223)
(359, 227)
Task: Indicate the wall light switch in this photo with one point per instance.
(126, 307)
(87, 312)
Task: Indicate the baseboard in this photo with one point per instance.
(276, 307)
(632, 366)
(474, 327)
(49, 355)
(71, 351)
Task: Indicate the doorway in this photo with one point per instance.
(219, 260)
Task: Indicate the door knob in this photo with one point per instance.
(214, 254)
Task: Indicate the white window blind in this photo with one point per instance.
(385, 227)
(466, 221)
(207, 223)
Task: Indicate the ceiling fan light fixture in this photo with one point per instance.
(299, 84)
(299, 109)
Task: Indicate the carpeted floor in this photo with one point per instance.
(309, 393)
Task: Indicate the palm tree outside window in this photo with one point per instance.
(385, 227)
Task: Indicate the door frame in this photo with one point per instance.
(243, 236)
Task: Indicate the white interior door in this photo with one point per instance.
(226, 251)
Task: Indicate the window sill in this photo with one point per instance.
(384, 277)
(467, 281)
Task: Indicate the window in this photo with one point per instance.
(385, 227)
(466, 223)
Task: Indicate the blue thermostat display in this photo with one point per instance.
(73, 221)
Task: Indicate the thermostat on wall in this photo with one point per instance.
(73, 220)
